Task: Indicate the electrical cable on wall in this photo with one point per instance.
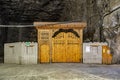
(39, 25)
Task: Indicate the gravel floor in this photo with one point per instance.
(59, 71)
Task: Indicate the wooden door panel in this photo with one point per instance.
(44, 55)
(70, 53)
(59, 53)
(73, 44)
(66, 48)
(73, 53)
(78, 54)
(58, 48)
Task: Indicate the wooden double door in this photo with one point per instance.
(65, 47)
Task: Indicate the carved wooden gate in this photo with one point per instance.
(66, 46)
(60, 42)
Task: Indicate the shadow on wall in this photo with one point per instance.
(3, 38)
(1, 55)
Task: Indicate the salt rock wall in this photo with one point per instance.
(21, 34)
(111, 25)
(25, 12)
(83, 11)
(74, 10)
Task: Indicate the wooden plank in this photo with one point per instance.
(44, 55)
(52, 25)
(58, 49)
(50, 42)
(81, 44)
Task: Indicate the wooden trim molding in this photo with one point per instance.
(57, 25)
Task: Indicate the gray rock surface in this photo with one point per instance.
(59, 71)
(111, 24)
(23, 11)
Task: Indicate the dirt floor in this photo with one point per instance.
(59, 71)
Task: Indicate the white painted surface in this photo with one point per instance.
(20, 53)
(92, 52)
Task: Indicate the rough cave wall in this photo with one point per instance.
(89, 11)
(26, 12)
(92, 32)
(74, 10)
(21, 34)
(111, 24)
(80, 10)
(2, 40)
(23, 12)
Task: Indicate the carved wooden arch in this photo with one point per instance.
(66, 31)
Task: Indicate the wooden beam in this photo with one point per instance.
(57, 25)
